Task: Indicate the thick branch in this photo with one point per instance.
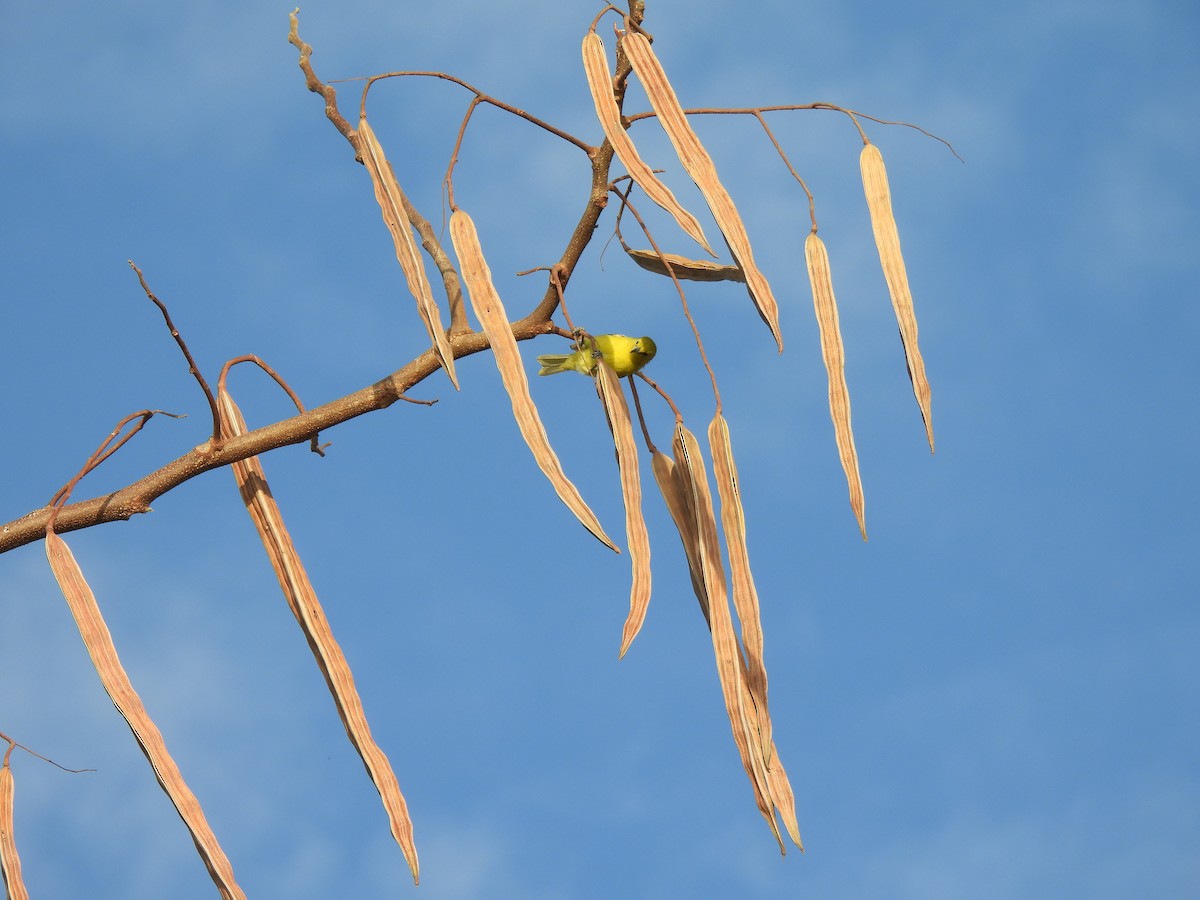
(137, 497)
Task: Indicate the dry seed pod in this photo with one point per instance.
(745, 595)
(743, 717)
(490, 311)
(599, 79)
(835, 366)
(10, 862)
(703, 171)
(887, 240)
(631, 493)
(675, 493)
(391, 203)
(99, 643)
(301, 597)
(779, 787)
(784, 797)
(684, 268)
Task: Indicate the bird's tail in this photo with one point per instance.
(553, 363)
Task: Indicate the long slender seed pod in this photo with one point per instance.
(704, 172)
(98, 640)
(599, 79)
(302, 599)
(887, 241)
(631, 493)
(391, 204)
(485, 300)
(745, 594)
(731, 668)
(10, 862)
(835, 366)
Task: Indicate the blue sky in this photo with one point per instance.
(995, 697)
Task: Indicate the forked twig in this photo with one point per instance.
(106, 449)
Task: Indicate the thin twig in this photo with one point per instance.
(12, 744)
(754, 110)
(682, 297)
(192, 367)
(480, 97)
(448, 181)
(812, 209)
(663, 394)
(637, 403)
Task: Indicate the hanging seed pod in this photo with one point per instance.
(887, 241)
(391, 204)
(98, 640)
(731, 668)
(599, 79)
(10, 862)
(835, 366)
(485, 300)
(302, 599)
(631, 493)
(704, 172)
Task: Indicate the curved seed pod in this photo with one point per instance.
(599, 79)
(684, 268)
(703, 171)
(887, 241)
(391, 203)
(631, 493)
(490, 311)
(835, 366)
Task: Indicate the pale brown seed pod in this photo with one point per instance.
(391, 204)
(676, 494)
(301, 597)
(636, 535)
(485, 301)
(98, 641)
(834, 355)
(10, 862)
(684, 268)
(599, 79)
(745, 594)
(703, 171)
(731, 668)
(887, 241)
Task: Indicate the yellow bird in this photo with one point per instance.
(625, 355)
